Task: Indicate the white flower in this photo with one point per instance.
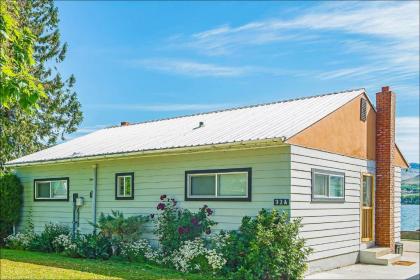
(189, 252)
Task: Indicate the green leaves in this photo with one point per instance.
(266, 247)
(38, 106)
(18, 84)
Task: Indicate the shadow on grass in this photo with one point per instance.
(121, 269)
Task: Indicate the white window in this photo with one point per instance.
(51, 189)
(221, 184)
(327, 185)
(124, 186)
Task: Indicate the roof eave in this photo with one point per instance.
(219, 146)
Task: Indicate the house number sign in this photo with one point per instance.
(281, 201)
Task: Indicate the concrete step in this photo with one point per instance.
(378, 255)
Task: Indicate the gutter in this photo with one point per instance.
(210, 147)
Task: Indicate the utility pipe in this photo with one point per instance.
(95, 187)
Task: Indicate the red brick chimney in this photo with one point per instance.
(125, 123)
(385, 146)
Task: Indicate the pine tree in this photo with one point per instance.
(60, 112)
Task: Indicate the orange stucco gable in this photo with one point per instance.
(399, 159)
(342, 132)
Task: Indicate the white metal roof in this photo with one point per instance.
(281, 119)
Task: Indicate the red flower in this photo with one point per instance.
(180, 230)
(209, 211)
(208, 231)
(163, 196)
(194, 221)
(161, 206)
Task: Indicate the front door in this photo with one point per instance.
(367, 207)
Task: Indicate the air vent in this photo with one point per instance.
(363, 105)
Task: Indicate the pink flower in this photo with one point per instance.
(161, 206)
(209, 211)
(163, 196)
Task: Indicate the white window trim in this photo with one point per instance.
(125, 187)
(216, 185)
(51, 197)
(326, 198)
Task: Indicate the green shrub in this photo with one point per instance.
(175, 225)
(267, 247)
(10, 203)
(44, 241)
(93, 246)
(120, 229)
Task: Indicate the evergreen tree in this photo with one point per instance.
(60, 112)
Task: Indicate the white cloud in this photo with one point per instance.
(407, 137)
(190, 68)
(387, 44)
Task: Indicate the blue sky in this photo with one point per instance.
(136, 61)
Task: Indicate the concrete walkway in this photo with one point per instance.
(366, 271)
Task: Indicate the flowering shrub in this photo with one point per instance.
(175, 225)
(139, 250)
(193, 256)
(64, 243)
(19, 241)
(44, 241)
(267, 247)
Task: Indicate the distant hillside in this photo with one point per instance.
(411, 181)
(411, 172)
(410, 184)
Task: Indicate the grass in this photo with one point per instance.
(15, 264)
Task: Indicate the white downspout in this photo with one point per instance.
(95, 187)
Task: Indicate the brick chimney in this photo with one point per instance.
(125, 123)
(385, 146)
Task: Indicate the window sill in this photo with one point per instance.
(125, 198)
(328, 200)
(247, 199)
(51, 199)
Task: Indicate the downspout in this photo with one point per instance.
(95, 186)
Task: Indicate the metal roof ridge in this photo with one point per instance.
(239, 107)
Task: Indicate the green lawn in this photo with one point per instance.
(34, 265)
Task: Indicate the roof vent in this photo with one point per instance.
(125, 123)
(363, 105)
(200, 124)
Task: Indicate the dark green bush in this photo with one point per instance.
(44, 241)
(10, 203)
(93, 246)
(267, 247)
(119, 229)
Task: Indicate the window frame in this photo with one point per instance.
(67, 179)
(124, 174)
(329, 173)
(216, 172)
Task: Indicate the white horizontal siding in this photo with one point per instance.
(329, 228)
(154, 176)
(397, 204)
